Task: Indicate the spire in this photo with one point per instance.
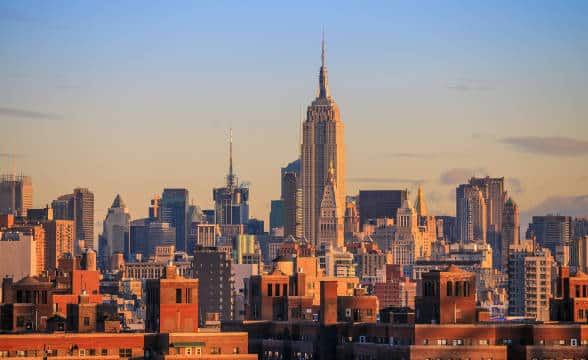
(118, 202)
(230, 175)
(420, 205)
(323, 81)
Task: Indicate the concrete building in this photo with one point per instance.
(213, 268)
(550, 231)
(511, 232)
(116, 230)
(529, 284)
(397, 290)
(84, 218)
(16, 194)
(470, 214)
(494, 199)
(60, 240)
(159, 233)
(18, 255)
(322, 145)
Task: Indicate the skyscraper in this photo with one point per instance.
(231, 203)
(377, 204)
(322, 144)
(292, 196)
(331, 221)
(84, 218)
(551, 231)
(470, 214)
(59, 240)
(116, 229)
(174, 211)
(510, 231)
(276, 214)
(494, 197)
(16, 194)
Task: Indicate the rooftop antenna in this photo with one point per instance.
(231, 175)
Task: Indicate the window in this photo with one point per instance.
(236, 350)
(484, 342)
(82, 352)
(277, 289)
(198, 351)
(449, 288)
(269, 289)
(178, 296)
(20, 321)
(104, 352)
(91, 352)
(3, 353)
(125, 352)
(188, 351)
(86, 321)
(284, 290)
(188, 296)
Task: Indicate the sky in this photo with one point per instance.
(130, 97)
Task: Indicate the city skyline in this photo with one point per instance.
(487, 114)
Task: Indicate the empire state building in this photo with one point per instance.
(323, 157)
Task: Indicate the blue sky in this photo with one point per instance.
(132, 96)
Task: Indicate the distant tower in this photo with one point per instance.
(419, 204)
(116, 228)
(84, 217)
(322, 144)
(232, 201)
(470, 214)
(510, 230)
(331, 225)
(16, 194)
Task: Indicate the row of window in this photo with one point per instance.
(123, 353)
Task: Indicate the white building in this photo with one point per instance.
(18, 255)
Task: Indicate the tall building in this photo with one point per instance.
(322, 145)
(59, 240)
(579, 227)
(419, 205)
(510, 231)
(377, 204)
(551, 231)
(84, 217)
(18, 255)
(213, 269)
(292, 197)
(64, 207)
(529, 280)
(331, 226)
(446, 228)
(276, 214)
(231, 203)
(116, 230)
(494, 197)
(16, 194)
(470, 214)
(351, 220)
(174, 211)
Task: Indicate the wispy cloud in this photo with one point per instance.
(551, 146)
(459, 175)
(385, 180)
(564, 205)
(27, 114)
(467, 84)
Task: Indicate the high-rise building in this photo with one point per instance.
(494, 197)
(231, 203)
(529, 280)
(16, 194)
(116, 230)
(212, 268)
(174, 211)
(84, 218)
(551, 231)
(351, 220)
(470, 214)
(331, 226)
(378, 204)
(322, 145)
(510, 231)
(579, 227)
(292, 196)
(419, 205)
(18, 255)
(159, 234)
(59, 240)
(276, 214)
(446, 228)
(64, 207)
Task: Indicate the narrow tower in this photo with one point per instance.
(322, 144)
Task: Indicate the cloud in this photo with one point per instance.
(376, 180)
(466, 85)
(551, 146)
(514, 186)
(459, 175)
(27, 114)
(564, 205)
(409, 155)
